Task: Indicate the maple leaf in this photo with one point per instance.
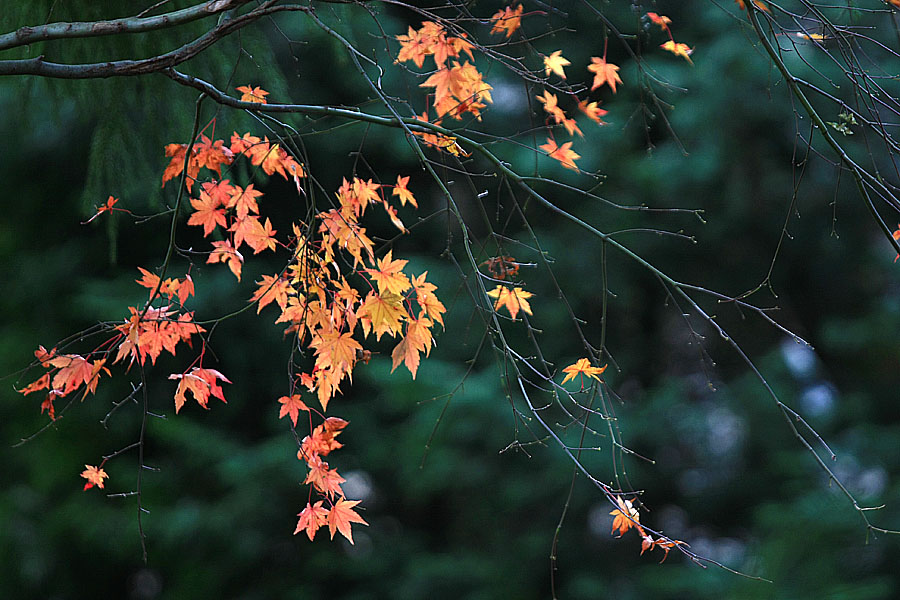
(292, 405)
(514, 299)
(564, 154)
(244, 201)
(508, 20)
(94, 476)
(212, 155)
(249, 94)
(625, 517)
(321, 441)
(201, 383)
(427, 300)
(593, 111)
(582, 367)
(323, 478)
(555, 63)
(572, 127)
(678, 49)
(389, 275)
(311, 518)
(341, 516)
(401, 191)
(550, 106)
(208, 213)
(74, 371)
(335, 350)
(43, 382)
(272, 288)
(385, 311)
(661, 20)
(418, 339)
(604, 73)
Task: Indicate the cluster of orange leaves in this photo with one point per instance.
(458, 88)
(322, 309)
(317, 301)
(626, 517)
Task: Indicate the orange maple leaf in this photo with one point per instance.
(324, 479)
(208, 213)
(42, 382)
(335, 350)
(582, 367)
(311, 518)
(272, 288)
(551, 107)
(555, 63)
(405, 194)
(508, 20)
(661, 20)
(564, 154)
(201, 383)
(249, 94)
(626, 517)
(94, 476)
(514, 299)
(292, 405)
(604, 73)
(427, 300)
(593, 111)
(341, 516)
(389, 275)
(226, 253)
(678, 49)
(417, 340)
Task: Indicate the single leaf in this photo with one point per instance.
(311, 518)
(582, 367)
(292, 405)
(341, 516)
(678, 49)
(604, 73)
(508, 20)
(564, 154)
(94, 476)
(661, 20)
(514, 299)
(272, 288)
(625, 517)
(389, 275)
(555, 63)
(593, 111)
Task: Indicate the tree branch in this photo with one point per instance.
(38, 66)
(55, 31)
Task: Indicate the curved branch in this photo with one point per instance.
(38, 66)
(56, 31)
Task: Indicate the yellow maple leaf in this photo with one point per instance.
(555, 63)
(678, 49)
(514, 299)
(582, 367)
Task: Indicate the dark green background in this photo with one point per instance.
(462, 519)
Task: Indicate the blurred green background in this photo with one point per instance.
(451, 516)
